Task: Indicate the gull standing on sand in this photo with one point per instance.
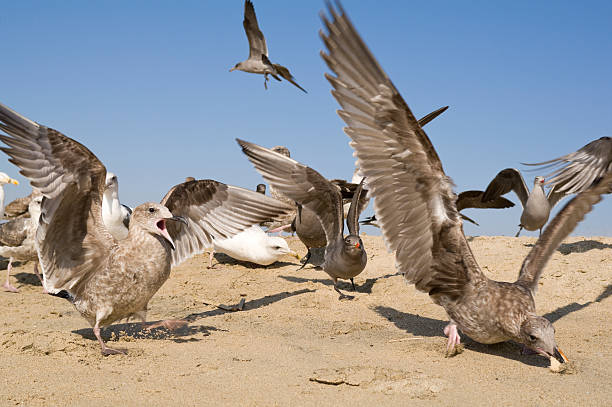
(105, 279)
(536, 204)
(258, 61)
(4, 179)
(17, 240)
(415, 205)
(577, 171)
(345, 257)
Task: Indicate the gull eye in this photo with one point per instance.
(532, 338)
(151, 210)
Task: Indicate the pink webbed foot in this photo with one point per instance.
(454, 339)
(9, 287)
(171, 324)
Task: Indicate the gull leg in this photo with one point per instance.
(353, 283)
(342, 295)
(105, 349)
(7, 285)
(171, 324)
(454, 339)
(266, 81)
(210, 259)
(44, 291)
(540, 232)
(519, 232)
(305, 259)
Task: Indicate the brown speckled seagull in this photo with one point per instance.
(345, 257)
(415, 205)
(108, 280)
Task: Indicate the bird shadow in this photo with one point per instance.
(582, 246)
(248, 305)
(365, 287)
(560, 312)
(135, 329)
(423, 326)
(28, 279)
(225, 260)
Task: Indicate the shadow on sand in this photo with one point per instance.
(582, 246)
(365, 287)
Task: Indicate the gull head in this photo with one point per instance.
(152, 217)
(279, 247)
(35, 207)
(538, 334)
(353, 243)
(238, 66)
(111, 181)
(538, 181)
(5, 179)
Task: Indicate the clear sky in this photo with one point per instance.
(145, 85)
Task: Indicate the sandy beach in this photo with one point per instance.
(295, 343)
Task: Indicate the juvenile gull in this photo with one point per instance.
(258, 61)
(416, 207)
(577, 171)
(17, 240)
(108, 280)
(345, 257)
(536, 204)
(18, 208)
(115, 215)
(4, 179)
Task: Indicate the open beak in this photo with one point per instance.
(560, 356)
(232, 69)
(178, 219)
(357, 245)
(14, 181)
(161, 225)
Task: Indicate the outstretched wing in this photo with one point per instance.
(413, 197)
(71, 238)
(302, 184)
(357, 206)
(509, 179)
(214, 210)
(257, 42)
(558, 229)
(473, 199)
(577, 171)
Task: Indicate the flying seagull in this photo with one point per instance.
(105, 279)
(577, 171)
(258, 61)
(416, 208)
(345, 257)
(536, 204)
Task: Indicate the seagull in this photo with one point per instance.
(17, 240)
(416, 208)
(115, 215)
(575, 172)
(19, 207)
(258, 61)
(252, 245)
(4, 179)
(536, 204)
(105, 279)
(465, 200)
(261, 188)
(345, 257)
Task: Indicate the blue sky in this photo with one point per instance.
(145, 86)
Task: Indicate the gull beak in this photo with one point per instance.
(14, 181)
(161, 225)
(560, 356)
(178, 219)
(232, 69)
(294, 254)
(357, 245)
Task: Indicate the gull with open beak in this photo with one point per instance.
(104, 278)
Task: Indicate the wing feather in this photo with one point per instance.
(257, 41)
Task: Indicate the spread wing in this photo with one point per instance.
(413, 197)
(509, 179)
(357, 206)
(214, 210)
(558, 229)
(575, 172)
(71, 238)
(554, 196)
(473, 199)
(257, 42)
(302, 184)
